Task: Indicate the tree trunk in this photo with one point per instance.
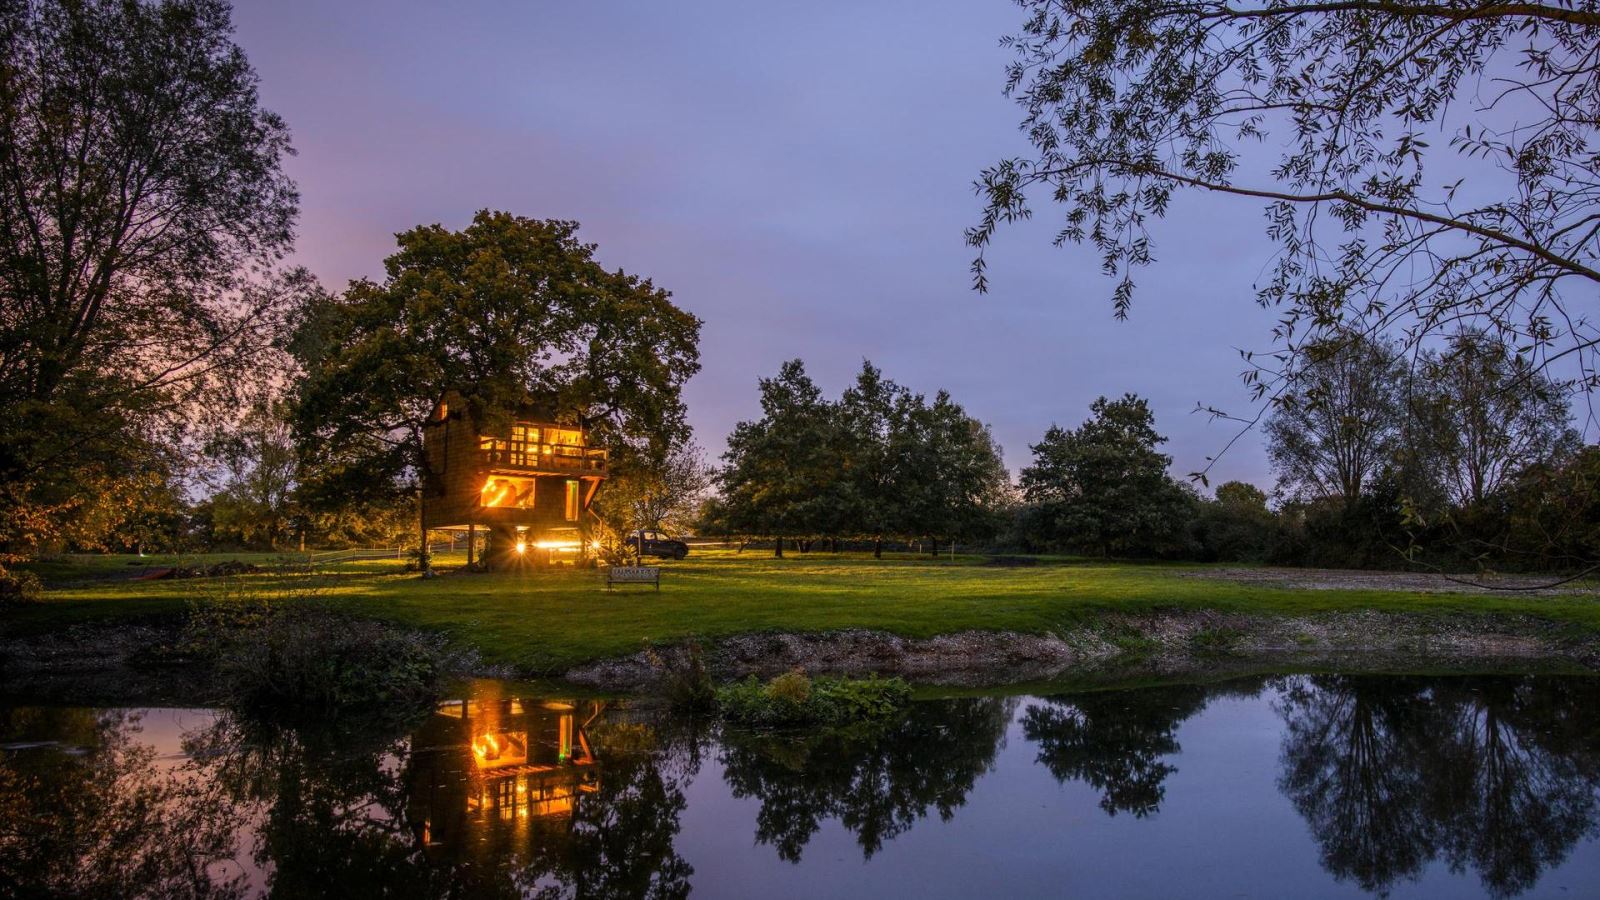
(805, 546)
(777, 548)
(833, 545)
(423, 562)
(877, 548)
(472, 544)
(933, 547)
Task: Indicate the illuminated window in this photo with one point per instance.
(524, 448)
(572, 501)
(503, 491)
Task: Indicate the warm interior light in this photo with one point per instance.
(522, 546)
(570, 544)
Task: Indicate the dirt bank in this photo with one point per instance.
(1168, 645)
(115, 665)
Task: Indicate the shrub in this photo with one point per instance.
(792, 699)
(315, 662)
(685, 682)
(19, 588)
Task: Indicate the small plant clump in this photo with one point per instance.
(19, 588)
(685, 681)
(794, 699)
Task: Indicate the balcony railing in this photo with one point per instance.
(563, 458)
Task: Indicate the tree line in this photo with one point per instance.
(167, 377)
(880, 462)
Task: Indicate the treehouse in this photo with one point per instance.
(500, 772)
(529, 484)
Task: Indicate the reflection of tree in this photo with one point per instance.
(1493, 774)
(876, 781)
(325, 805)
(1514, 786)
(1115, 741)
(1350, 756)
(107, 822)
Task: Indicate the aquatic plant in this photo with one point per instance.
(794, 699)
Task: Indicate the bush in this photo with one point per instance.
(19, 588)
(314, 662)
(685, 681)
(792, 699)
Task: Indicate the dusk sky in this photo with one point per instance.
(798, 175)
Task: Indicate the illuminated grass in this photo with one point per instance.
(545, 622)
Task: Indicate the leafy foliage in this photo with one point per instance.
(1128, 103)
(144, 215)
(793, 699)
(509, 311)
(1104, 486)
(880, 461)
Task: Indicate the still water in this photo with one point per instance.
(1299, 786)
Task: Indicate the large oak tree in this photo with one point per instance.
(509, 311)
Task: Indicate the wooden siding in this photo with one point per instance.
(453, 489)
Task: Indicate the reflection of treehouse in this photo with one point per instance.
(530, 483)
(485, 766)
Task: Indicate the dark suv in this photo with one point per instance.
(658, 544)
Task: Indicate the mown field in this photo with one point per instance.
(547, 621)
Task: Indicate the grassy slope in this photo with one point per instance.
(549, 621)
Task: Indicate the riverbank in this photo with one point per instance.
(961, 622)
(112, 664)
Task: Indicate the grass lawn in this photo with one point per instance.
(548, 621)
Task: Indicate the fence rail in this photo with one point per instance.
(362, 553)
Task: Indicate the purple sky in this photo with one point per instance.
(798, 175)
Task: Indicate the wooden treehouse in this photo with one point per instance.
(530, 486)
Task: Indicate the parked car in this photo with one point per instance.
(658, 544)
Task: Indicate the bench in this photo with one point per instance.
(633, 575)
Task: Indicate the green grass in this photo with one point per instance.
(545, 622)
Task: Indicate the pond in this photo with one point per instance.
(1302, 786)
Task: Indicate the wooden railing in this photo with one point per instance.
(545, 458)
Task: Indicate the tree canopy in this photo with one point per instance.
(144, 209)
(1104, 486)
(1423, 165)
(881, 461)
(509, 311)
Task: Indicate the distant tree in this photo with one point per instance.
(1237, 526)
(1339, 421)
(657, 496)
(880, 461)
(144, 209)
(876, 415)
(783, 473)
(1104, 486)
(253, 500)
(1482, 412)
(509, 311)
(1552, 515)
(959, 484)
(1422, 164)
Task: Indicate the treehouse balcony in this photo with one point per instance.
(541, 459)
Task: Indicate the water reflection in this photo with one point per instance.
(1492, 775)
(499, 793)
(549, 798)
(876, 781)
(87, 811)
